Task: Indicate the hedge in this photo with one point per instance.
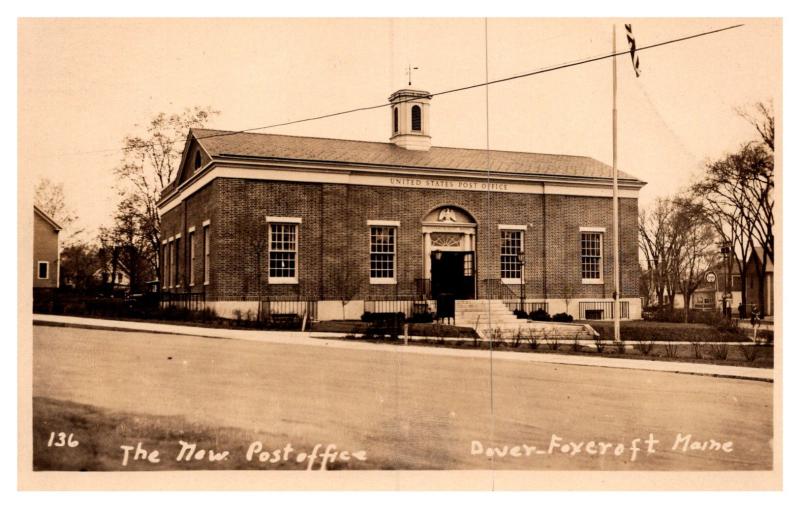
(647, 331)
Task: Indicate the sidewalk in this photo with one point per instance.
(317, 339)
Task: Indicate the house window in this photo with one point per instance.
(172, 277)
(510, 247)
(206, 254)
(44, 269)
(382, 254)
(591, 256)
(395, 120)
(416, 118)
(198, 160)
(282, 253)
(164, 257)
(191, 258)
(177, 274)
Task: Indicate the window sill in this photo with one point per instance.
(382, 281)
(517, 282)
(283, 280)
(596, 282)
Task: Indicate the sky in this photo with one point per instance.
(84, 84)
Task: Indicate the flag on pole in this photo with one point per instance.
(632, 44)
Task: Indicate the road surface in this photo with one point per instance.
(413, 411)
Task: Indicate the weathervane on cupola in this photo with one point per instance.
(409, 72)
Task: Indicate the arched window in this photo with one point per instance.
(197, 160)
(416, 118)
(395, 119)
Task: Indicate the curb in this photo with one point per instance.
(317, 338)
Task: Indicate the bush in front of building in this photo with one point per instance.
(373, 317)
(421, 317)
(539, 315)
(563, 317)
(636, 331)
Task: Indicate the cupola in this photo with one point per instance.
(410, 119)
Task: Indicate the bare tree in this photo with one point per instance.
(761, 116)
(49, 197)
(737, 193)
(696, 242)
(150, 162)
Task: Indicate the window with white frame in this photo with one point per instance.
(206, 254)
(510, 247)
(282, 252)
(591, 256)
(44, 269)
(191, 258)
(172, 264)
(382, 253)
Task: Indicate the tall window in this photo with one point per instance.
(510, 247)
(283, 252)
(44, 269)
(416, 118)
(198, 160)
(591, 256)
(191, 258)
(206, 254)
(164, 261)
(395, 120)
(382, 252)
(171, 268)
(177, 263)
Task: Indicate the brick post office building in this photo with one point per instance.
(339, 227)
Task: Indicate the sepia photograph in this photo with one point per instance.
(508, 253)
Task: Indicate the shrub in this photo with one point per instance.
(496, 336)
(539, 315)
(671, 349)
(765, 336)
(517, 339)
(552, 341)
(645, 346)
(521, 314)
(697, 347)
(421, 317)
(648, 330)
(563, 317)
(719, 351)
(533, 338)
(620, 347)
(374, 317)
(576, 346)
(749, 353)
(598, 344)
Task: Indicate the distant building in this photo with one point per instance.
(116, 278)
(710, 293)
(356, 226)
(753, 283)
(45, 252)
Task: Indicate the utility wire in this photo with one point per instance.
(542, 70)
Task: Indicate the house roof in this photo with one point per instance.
(218, 143)
(758, 253)
(47, 218)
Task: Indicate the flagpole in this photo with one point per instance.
(615, 215)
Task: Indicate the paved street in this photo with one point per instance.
(415, 411)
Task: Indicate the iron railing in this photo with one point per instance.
(601, 310)
(191, 301)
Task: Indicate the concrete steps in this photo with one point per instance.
(492, 318)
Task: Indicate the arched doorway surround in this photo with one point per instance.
(449, 246)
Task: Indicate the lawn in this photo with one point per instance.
(100, 433)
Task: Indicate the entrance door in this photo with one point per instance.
(453, 275)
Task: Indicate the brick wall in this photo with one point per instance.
(334, 237)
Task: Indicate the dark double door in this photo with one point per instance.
(452, 278)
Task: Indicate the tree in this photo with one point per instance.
(79, 263)
(49, 197)
(148, 164)
(761, 116)
(696, 242)
(126, 244)
(737, 193)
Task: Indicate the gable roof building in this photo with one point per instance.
(401, 221)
